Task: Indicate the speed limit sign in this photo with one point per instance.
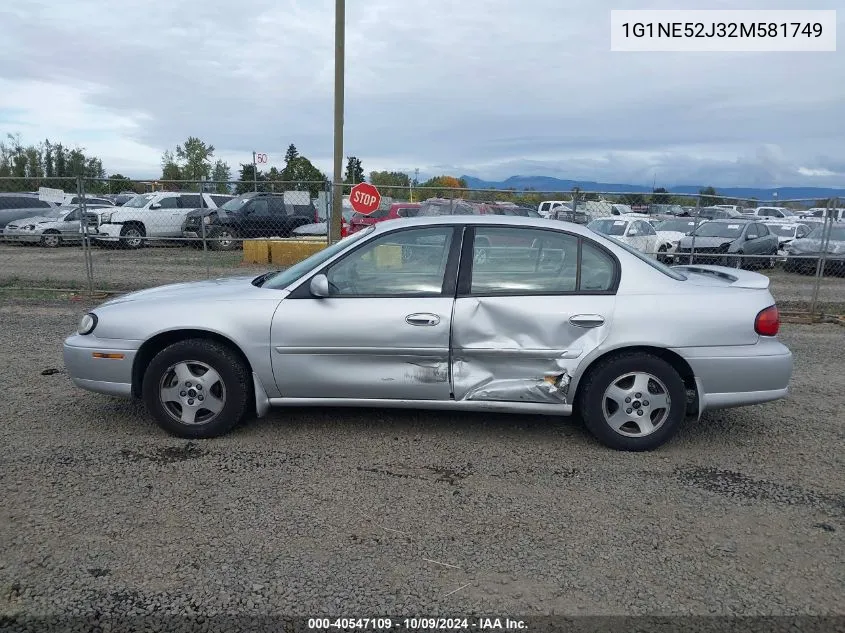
(261, 158)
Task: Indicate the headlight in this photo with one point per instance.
(29, 227)
(87, 324)
(105, 218)
(206, 219)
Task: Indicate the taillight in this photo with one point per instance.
(767, 322)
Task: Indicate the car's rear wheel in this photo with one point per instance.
(51, 239)
(633, 401)
(132, 236)
(197, 388)
(224, 239)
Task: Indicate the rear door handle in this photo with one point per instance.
(586, 320)
(422, 318)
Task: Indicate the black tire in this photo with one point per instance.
(224, 239)
(609, 371)
(662, 257)
(736, 261)
(234, 376)
(132, 236)
(51, 239)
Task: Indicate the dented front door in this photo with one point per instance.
(383, 333)
(527, 314)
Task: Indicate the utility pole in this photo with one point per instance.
(337, 185)
(255, 171)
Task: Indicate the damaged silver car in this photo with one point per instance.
(483, 313)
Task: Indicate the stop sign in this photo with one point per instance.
(364, 198)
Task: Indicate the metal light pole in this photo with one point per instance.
(255, 171)
(337, 185)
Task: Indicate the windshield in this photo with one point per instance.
(680, 226)
(284, 278)
(608, 227)
(837, 233)
(718, 229)
(139, 201)
(784, 230)
(234, 204)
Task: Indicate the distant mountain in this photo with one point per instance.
(550, 184)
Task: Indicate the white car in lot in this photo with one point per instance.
(634, 232)
(786, 232)
(670, 233)
(152, 215)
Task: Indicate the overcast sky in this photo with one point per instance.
(491, 89)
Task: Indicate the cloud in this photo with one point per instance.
(490, 89)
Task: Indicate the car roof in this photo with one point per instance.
(736, 221)
(480, 220)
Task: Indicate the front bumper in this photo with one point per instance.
(108, 232)
(740, 375)
(110, 376)
(20, 235)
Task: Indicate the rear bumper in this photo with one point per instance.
(740, 375)
(111, 376)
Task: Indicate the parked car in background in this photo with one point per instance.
(730, 207)
(634, 347)
(567, 214)
(546, 207)
(803, 254)
(773, 212)
(670, 233)
(100, 201)
(669, 210)
(511, 208)
(820, 213)
(322, 228)
(786, 232)
(457, 206)
(396, 210)
(727, 242)
(122, 198)
(14, 206)
(252, 215)
(718, 213)
(637, 234)
(52, 228)
(151, 215)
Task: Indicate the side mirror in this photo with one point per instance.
(320, 286)
(155, 205)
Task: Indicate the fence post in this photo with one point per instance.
(827, 228)
(83, 222)
(694, 229)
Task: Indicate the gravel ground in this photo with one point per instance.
(365, 513)
(129, 270)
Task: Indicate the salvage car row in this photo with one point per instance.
(718, 236)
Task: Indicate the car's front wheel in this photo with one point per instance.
(633, 401)
(51, 239)
(224, 239)
(132, 236)
(197, 388)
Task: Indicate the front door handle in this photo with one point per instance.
(422, 318)
(586, 320)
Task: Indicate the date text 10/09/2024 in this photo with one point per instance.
(417, 624)
(722, 29)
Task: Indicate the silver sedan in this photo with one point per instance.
(484, 313)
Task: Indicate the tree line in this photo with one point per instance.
(25, 164)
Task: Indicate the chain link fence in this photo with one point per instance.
(102, 235)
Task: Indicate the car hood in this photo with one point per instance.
(201, 211)
(806, 245)
(319, 228)
(223, 289)
(36, 219)
(706, 242)
(671, 236)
